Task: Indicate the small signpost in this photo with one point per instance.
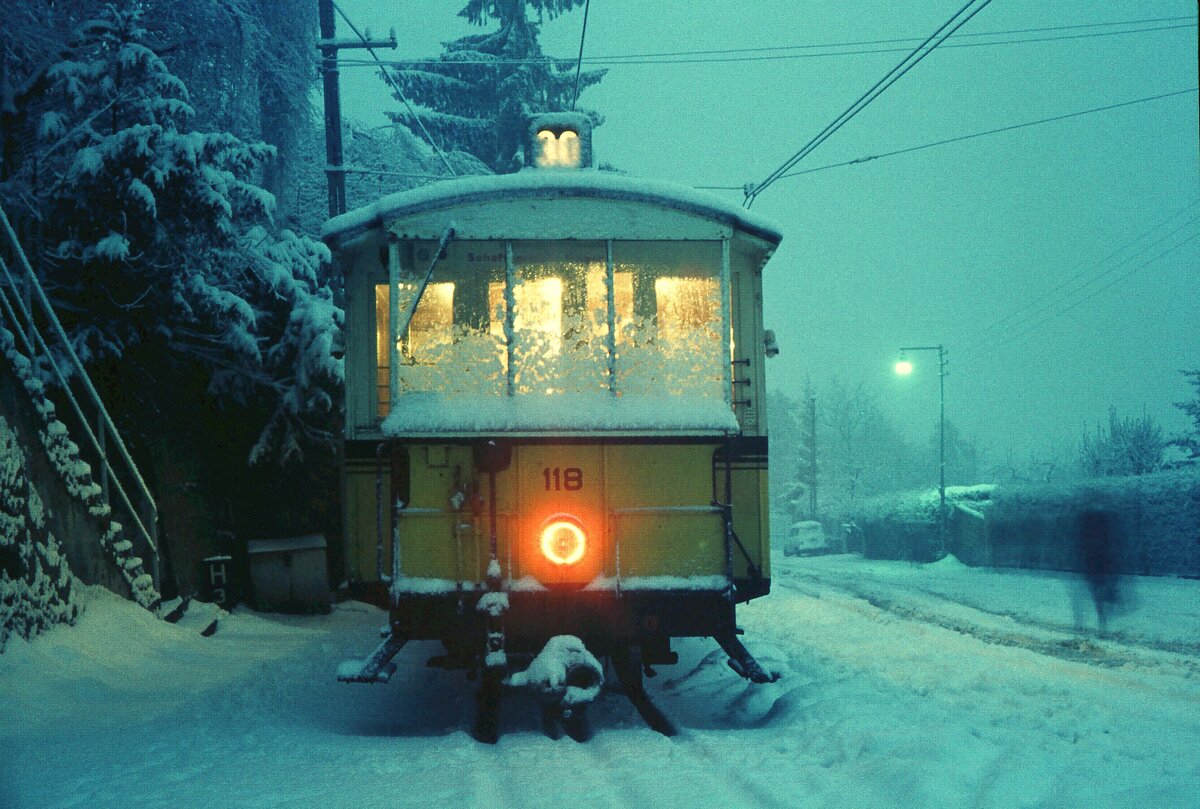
(220, 583)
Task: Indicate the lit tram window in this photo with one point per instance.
(382, 359)
(431, 327)
(432, 322)
(496, 309)
(675, 346)
(539, 312)
(686, 306)
(666, 311)
(597, 303)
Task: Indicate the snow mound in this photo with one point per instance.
(564, 672)
(711, 694)
(948, 563)
(123, 651)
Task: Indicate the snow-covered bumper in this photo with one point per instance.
(604, 619)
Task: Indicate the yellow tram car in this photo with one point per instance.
(555, 420)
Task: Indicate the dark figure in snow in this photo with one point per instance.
(1097, 546)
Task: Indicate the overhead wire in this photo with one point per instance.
(612, 62)
(388, 78)
(980, 335)
(729, 54)
(579, 62)
(1028, 332)
(959, 138)
(857, 43)
(778, 57)
(956, 21)
(1011, 334)
(1136, 269)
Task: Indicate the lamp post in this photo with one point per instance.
(904, 367)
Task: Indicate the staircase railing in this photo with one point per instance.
(22, 296)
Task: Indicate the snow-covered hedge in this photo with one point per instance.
(920, 505)
(1158, 518)
(1034, 526)
(37, 589)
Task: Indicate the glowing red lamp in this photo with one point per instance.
(563, 541)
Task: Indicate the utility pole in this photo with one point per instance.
(335, 172)
(812, 476)
(904, 367)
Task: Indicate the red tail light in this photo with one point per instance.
(563, 540)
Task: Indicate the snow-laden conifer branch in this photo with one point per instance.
(160, 242)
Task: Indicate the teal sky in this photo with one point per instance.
(935, 246)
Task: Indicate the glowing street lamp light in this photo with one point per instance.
(904, 367)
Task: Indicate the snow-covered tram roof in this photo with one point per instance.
(536, 184)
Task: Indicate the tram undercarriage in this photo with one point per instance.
(628, 634)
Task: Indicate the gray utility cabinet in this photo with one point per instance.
(289, 574)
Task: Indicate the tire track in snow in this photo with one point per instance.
(1116, 636)
(1172, 657)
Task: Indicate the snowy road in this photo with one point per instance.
(903, 686)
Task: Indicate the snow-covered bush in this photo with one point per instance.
(920, 505)
(37, 589)
(1190, 442)
(76, 475)
(1158, 517)
(1128, 446)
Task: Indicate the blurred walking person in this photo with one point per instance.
(1098, 559)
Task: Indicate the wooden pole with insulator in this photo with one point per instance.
(335, 171)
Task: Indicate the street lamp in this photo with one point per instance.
(904, 367)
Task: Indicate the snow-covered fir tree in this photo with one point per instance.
(476, 96)
(1190, 442)
(159, 243)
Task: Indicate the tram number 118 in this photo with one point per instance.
(558, 479)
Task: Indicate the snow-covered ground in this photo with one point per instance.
(903, 686)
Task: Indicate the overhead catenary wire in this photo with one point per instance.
(579, 62)
(959, 138)
(387, 77)
(1135, 270)
(980, 336)
(610, 61)
(730, 54)
(893, 40)
(920, 147)
(1037, 321)
(1103, 274)
(956, 21)
(1036, 326)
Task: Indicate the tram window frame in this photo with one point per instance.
(618, 270)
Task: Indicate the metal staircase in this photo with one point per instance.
(33, 337)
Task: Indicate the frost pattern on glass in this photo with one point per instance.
(559, 334)
(665, 301)
(454, 345)
(672, 342)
